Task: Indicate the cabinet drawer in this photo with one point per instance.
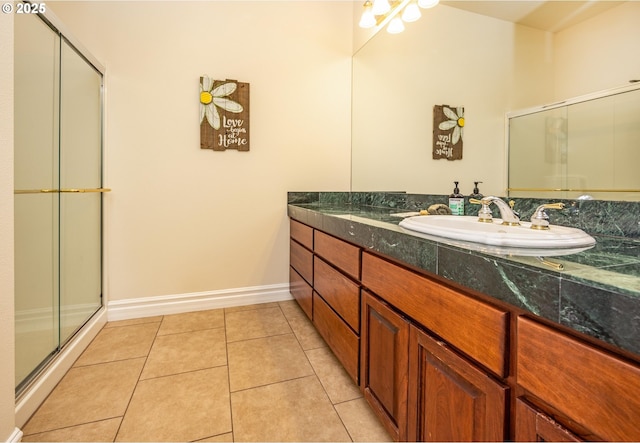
(475, 328)
(301, 291)
(588, 385)
(302, 260)
(338, 253)
(303, 234)
(342, 294)
(341, 339)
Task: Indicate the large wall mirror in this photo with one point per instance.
(588, 147)
(486, 58)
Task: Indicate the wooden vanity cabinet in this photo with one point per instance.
(336, 298)
(301, 266)
(340, 254)
(385, 360)
(534, 425)
(437, 363)
(597, 392)
(339, 292)
(324, 279)
(477, 329)
(341, 339)
(450, 398)
(301, 291)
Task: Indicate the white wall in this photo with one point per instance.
(183, 220)
(7, 392)
(599, 53)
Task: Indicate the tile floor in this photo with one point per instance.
(251, 373)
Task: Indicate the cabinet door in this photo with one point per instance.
(596, 390)
(450, 399)
(385, 361)
(533, 425)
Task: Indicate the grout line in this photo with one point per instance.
(138, 381)
(275, 383)
(226, 349)
(315, 373)
(74, 426)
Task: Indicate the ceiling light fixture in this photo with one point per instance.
(426, 4)
(368, 19)
(371, 16)
(381, 7)
(411, 13)
(395, 26)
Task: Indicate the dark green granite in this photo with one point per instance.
(531, 290)
(609, 316)
(597, 292)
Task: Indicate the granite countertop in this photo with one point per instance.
(597, 291)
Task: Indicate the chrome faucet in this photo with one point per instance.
(508, 216)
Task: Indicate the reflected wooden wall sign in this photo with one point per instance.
(224, 114)
(448, 128)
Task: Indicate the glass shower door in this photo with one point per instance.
(36, 87)
(58, 193)
(80, 196)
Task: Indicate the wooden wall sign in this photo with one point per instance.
(224, 114)
(448, 128)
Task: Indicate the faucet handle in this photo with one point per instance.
(484, 214)
(540, 219)
(512, 203)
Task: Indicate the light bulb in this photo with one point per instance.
(381, 7)
(427, 3)
(368, 20)
(395, 26)
(411, 13)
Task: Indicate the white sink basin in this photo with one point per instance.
(468, 228)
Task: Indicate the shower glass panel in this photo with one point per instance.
(541, 160)
(36, 87)
(58, 193)
(80, 212)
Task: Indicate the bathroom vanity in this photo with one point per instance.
(453, 342)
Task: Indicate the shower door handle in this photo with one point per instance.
(76, 191)
(35, 191)
(54, 191)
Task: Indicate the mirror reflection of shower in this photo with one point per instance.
(582, 147)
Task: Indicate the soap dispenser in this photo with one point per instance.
(476, 192)
(456, 201)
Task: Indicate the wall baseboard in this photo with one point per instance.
(16, 436)
(196, 301)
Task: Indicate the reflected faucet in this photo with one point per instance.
(507, 214)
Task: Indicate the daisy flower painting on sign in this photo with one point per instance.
(456, 121)
(224, 114)
(448, 132)
(211, 98)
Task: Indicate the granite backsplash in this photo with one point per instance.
(599, 217)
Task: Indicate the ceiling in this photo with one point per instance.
(546, 15)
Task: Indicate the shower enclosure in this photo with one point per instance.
(58, 192)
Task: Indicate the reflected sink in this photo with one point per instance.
(468, 228)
